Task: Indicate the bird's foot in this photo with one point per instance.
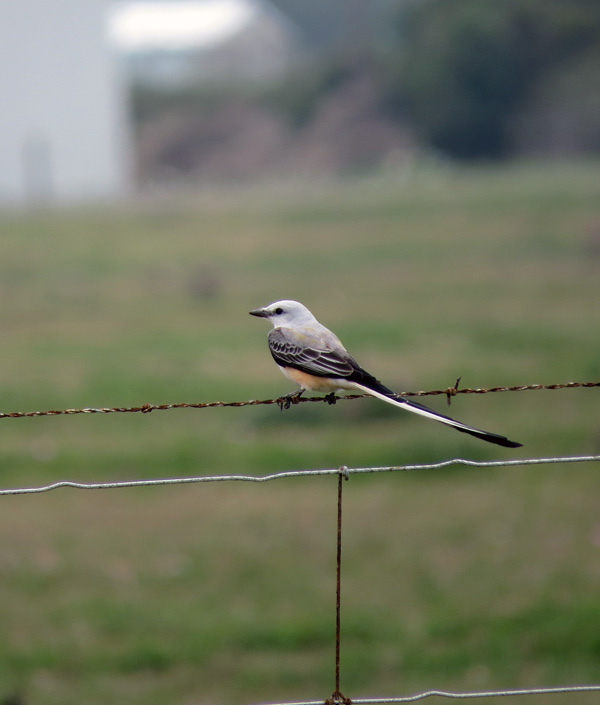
(288, 399)
(330, 398)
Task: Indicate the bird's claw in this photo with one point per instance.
(331, 398)
(288, 399)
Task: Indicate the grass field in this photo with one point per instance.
(455, 579)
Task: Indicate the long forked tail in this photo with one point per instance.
(387, 395)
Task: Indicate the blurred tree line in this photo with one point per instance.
(468, 73)
(468, 79)
(473, 79)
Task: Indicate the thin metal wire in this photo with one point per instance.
(297, 473)
(338, 602)
(147, 408)
(461, 696)
(338, 696)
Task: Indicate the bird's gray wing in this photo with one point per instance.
(302, 352)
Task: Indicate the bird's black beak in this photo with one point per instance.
(260, 312)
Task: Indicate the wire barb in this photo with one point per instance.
(452, 391)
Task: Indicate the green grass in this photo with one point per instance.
(458, 579)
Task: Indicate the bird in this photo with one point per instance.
(313, 357)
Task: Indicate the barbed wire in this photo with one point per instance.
(297, 473)
(458, 696)
(147, 408)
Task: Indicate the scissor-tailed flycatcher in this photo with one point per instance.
(313, 357)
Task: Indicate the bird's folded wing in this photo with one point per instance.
(291, 351)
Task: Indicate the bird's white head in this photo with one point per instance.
(286, 314)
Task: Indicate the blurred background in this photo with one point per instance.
(424, 175)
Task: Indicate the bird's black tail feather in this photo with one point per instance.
(382, 392)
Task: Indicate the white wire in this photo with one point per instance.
(297, 473)
(459, 696)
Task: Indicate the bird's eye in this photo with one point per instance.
(279, 311)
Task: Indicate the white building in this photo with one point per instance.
(189, 42)
(63, 134)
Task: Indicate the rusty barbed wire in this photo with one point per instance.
(449, 392)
